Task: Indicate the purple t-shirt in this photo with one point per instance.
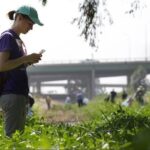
(17, 81)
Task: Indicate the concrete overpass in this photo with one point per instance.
(85, 71)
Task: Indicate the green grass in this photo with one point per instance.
(99, 125)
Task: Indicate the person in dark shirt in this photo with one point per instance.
(113, 95)
(13, 63)
(80, 99)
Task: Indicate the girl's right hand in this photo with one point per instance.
(32, 58)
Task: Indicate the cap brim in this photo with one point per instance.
(37, 21)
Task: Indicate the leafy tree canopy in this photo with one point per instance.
(94, 13)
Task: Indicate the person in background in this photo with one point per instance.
(14, 61)
(113, 95)
(80, 98)
(68, 100)
(48, 100)
(139, 95)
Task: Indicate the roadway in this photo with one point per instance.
(87, 71)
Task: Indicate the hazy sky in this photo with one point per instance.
(127, 38)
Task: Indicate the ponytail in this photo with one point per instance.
(11, 14)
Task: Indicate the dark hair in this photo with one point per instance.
(12, 16)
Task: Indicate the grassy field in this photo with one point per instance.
(98, 126)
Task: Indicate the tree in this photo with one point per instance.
(94, 13)
(138, 78)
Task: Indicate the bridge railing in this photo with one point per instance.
(102, 60)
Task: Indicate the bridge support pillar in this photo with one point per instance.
(38, 87)
(92, 84)
(69, 85)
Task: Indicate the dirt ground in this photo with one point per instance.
(56, 112)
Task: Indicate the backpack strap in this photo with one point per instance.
(9, 33)
(5, 33)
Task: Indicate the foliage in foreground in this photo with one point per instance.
(116, 128)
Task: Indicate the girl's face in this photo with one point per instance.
(26, 25)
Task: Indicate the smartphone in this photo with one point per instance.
(42, 51)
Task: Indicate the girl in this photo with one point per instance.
(13, 63)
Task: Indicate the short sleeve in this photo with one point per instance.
(6, 42)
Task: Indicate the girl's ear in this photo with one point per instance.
(19, 17)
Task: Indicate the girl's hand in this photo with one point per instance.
(32, 58)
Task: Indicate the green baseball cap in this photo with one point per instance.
(31, 13)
